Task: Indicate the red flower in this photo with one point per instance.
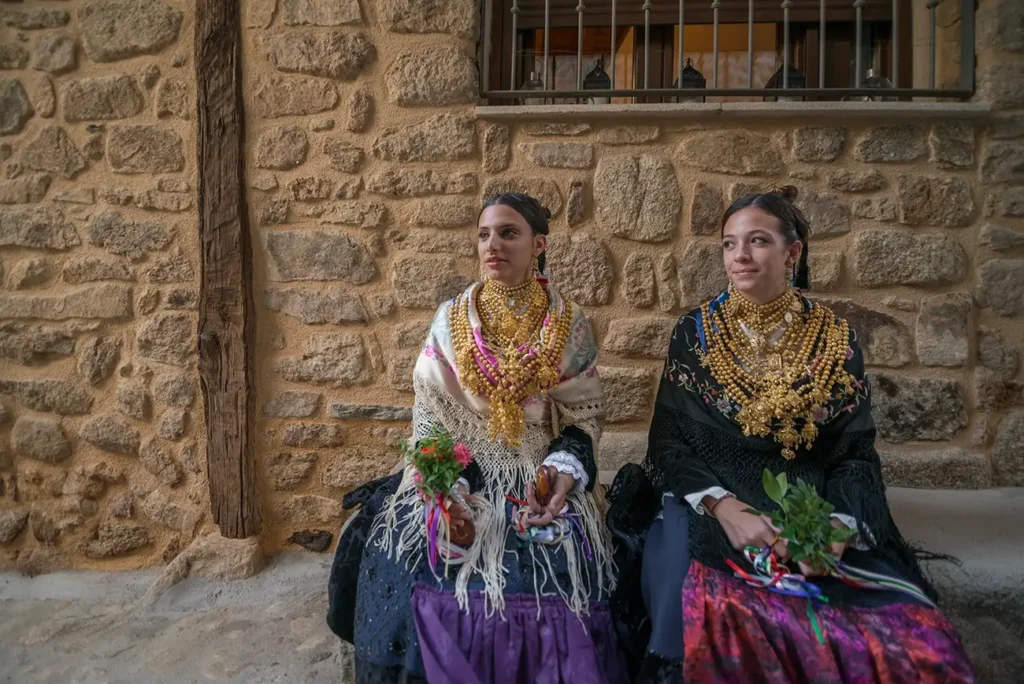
(462, 455)
(427, 450)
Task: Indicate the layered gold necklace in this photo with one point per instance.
(516, 354)
(777, 363)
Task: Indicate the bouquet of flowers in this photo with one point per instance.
(438, 462)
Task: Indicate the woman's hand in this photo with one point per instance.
(745, 529)
(544, 515)
(837, 549)
(461, 519)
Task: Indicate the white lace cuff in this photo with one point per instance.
(696, 500)
(564, 462)
(855, 541)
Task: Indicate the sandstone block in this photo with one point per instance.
(117, 539)
(15, 108)
(281, 148)
(53, 53)
(172, 269)
(996, 354)
(320, 12)
(107, 302)
(144, 149)
(12, 522)
(826, 271)
(935, 201)
(98, 358)
(444, 212)
(132, 239)
(309, 189)
(313, 436)
(1003, 162)
(37, 228)
(942, 330)
(174, 389)
(497, 148)
(890, 258)
(35, 18)
(419, 182)
(877, 208)
(343, 155)
(627, 392)
(318, 255)
(371, 412)
(277, 97)
(926, 409)
(951, 145)
(430, 242)
(998, 286)
(701, 273)
(638, 280)
(289, 470)
(174, 100)
(29, 273)
(160, 509)
(112, 433)
(133, 400)
(999, 238)
(172, 424)
(582, 267)
(335, 359)
(308, 509)
(334, 305)
(735, 152)
(357, 214)
(638, 197)
(856, 181)
(818, 143)
(424, 282)
(33, 344)
(444, 137)
(360, 111)
(161, 464)
(13, 56)
(999, 85)
(706, 211)
(639, 337)
(576, 208)
(40, 439)
(629, 135)
(883, 339)
(435, 77)
(167, 337)
(891, 143)
(292, 404)
(543, 190)
(400, 369)
(119, 29)
(102, 98)
(559, 155)
(1007, 451)
(826, 214)
(336, 54)
(556, 129)
(454, 17)
(25, 190)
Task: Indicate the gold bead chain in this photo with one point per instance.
(777, 384)
(521, 355)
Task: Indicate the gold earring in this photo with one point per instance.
(536, 264)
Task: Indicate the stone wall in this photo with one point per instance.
(367, 163)
(101, 436)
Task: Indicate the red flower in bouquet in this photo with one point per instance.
(438, 462)
(462, 455)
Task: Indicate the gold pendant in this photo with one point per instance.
(775, 362)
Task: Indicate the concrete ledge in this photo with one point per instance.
(739, 110)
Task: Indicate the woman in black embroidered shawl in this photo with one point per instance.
(738, 396)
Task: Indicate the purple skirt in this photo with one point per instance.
(549, 646)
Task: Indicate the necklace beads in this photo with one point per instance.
(777, 384)
(517, 356)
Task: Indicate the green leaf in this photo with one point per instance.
(772, 487)
(783, 481)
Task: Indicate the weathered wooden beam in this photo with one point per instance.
(227, 322)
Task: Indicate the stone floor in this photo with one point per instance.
(91, 628)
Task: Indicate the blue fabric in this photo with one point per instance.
(665, 563)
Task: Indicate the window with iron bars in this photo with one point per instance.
(623, 51)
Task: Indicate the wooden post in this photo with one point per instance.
(227, 322)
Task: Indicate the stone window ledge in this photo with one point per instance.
(740, 110)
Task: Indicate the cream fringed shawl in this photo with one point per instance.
(440, 400)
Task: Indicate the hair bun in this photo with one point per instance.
(786, 192)
(547, 213)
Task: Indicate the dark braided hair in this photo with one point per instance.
(532, 211)
(781, 203)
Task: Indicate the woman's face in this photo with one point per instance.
(506, 245)
(757, 259)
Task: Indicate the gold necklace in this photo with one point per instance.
(516, 356)
(777, 385)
